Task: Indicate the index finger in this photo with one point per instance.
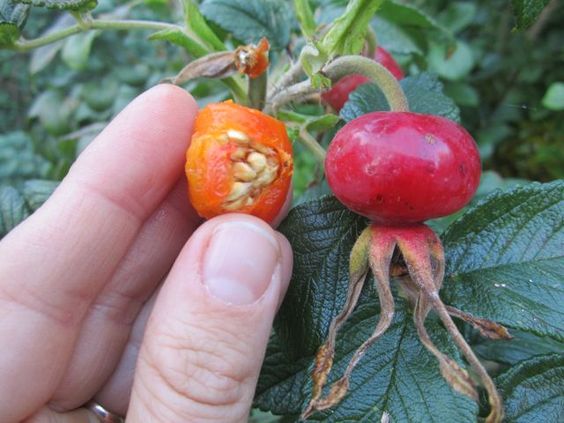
(55, 263)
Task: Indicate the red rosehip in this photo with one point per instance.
(339, 93)
(403, 167)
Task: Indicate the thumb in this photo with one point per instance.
(206, 337)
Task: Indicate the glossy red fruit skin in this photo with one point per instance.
(339, 93)
(400, 168)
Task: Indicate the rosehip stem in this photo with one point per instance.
(338, 68)
(347, 65)
(257, 91)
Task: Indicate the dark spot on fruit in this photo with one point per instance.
(379, 199)
(462, 169)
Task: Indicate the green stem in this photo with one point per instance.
(340, 67)
(239, 94)
(371, 41)
(312, 145)
(26, 45)
(257, 91)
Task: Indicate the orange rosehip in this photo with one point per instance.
(239, 160)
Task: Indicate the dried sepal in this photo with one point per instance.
(487, 328)
(423, 255)
(358, 268)
(215, 65)
(456, 376)
(250, 59)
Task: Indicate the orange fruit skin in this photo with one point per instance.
(209, 166)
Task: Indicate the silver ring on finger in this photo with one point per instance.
(103, 415)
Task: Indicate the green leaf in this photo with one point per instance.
(527, 11)
(250, 20)
(346, 35)
(76, 50)
(395, 38)
(12, 209)
(18, 161)
(424, 93)
(42, 56)
(505, 259)
(324, 232)
(408, 16)
(523, 346)
(396, 372)
(462, 93)
(554, 97)
(457, 15)
(62, 4)
(305, 17)
(53, 111)
(453, 65)
(196, 22)
(36, 191)
(533, 390)
(179, 37)
(12, 20)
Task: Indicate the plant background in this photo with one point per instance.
(497, 66)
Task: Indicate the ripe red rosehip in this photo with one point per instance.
(403, 167)
(339, 93)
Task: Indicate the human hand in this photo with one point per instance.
(80, 317)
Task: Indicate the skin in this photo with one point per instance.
(114, 289)
(403, 168)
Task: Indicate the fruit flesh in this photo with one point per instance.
(403, 168)
(338, 95)
(239, 160)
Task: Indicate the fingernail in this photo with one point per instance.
(239, 262)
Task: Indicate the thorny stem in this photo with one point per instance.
(339, 68)
(287, 79)
(23, 45)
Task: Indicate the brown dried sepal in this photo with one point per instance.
(250, 59)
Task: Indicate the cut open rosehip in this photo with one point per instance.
(403, 167)
(239, 160)
(339, 93)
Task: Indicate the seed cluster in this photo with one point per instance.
(255, 166)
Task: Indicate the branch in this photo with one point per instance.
(24, 45)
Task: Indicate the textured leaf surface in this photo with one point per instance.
(424, 93)
(12, 20)
(12, 209)
(62, 4)
(505, 259)
(396, 375)
(410, 16)
(523, 346)
(250, 20)
(18, 161)
(534, 390)
(36, 191)
(527, 11)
